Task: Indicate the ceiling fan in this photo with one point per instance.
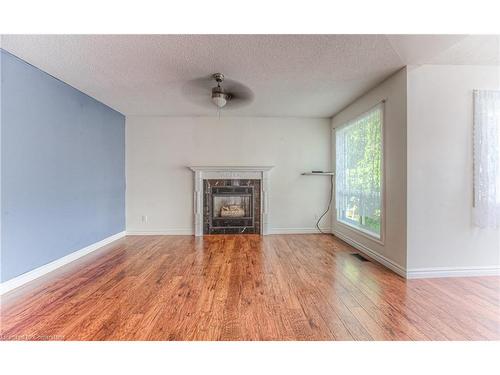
(226, 92)
(219, 96)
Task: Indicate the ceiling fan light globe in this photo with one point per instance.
(219, 100)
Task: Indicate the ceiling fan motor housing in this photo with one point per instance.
(219, 96)
(219, 77)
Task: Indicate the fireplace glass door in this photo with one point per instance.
(232, 207)
(236, 206)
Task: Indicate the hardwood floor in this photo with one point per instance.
(233, 287)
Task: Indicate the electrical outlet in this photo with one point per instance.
(144, 219)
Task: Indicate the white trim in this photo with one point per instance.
(422, 273)
(231, 168)
(393, 266)
(298, 230)
(190, 231)
(163, 232)
(360, 231)
(20, 280)
(380, 240)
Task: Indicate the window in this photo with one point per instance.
(487, 158)
(358, 155)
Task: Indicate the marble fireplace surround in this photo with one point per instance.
(230, 173)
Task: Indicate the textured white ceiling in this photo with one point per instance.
(290, 75)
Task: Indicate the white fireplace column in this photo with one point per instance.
(230, 173)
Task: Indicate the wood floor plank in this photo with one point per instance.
(244, 287)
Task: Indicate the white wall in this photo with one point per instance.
(393, 251)
(440, 230)
(160, 186)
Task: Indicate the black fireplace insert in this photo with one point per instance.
(231, 206)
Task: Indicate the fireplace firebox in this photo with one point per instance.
(231, 206)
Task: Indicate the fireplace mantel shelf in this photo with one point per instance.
(232, 168)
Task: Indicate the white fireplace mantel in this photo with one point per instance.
(229, 172)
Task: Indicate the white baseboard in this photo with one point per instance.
(164, 232)
(297, 230)
(20, 280)
(424, 273)
(190, 231)
(401, 271)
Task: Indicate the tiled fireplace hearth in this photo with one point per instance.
(232, 199)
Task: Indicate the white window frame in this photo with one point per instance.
(365, 233)
(486, 136)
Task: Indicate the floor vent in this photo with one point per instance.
(360, 257)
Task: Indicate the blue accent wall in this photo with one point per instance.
(62, 168)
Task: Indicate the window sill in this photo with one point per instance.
(361, 232)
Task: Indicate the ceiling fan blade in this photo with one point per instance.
(198, 91)
(240, 94)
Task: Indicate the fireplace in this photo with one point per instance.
(231, 199)
(231, 206)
